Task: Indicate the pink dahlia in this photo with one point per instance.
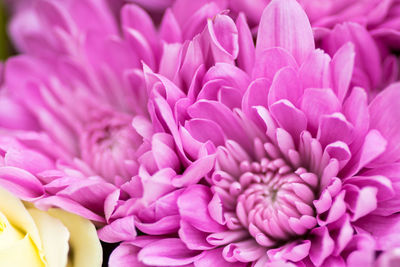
(304, 172)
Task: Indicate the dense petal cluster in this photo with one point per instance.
(226, 133)
(301, 160)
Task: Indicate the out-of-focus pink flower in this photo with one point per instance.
(375, 67)
(275, 160)
(74, 119)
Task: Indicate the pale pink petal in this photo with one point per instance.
(385, 115)
(318, 102)
(21, 183)
(246, 46)
(285, 24)
(193, 238)
(166, 225)
(214, 257)
(170, 30)
(198, 196)
(286, 85)
(315, 72)
(321, 245)
(125, 255)
(167, 252)
(119, 230)
(342, 65)
(289, 118)
(224, 38)
(270, 61)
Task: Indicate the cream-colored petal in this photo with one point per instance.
(18, 216)
(22, 253)
(84, 242)
(8, 234)
(54, 236)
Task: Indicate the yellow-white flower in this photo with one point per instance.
(33, 238)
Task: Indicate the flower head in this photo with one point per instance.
(303, 168)
(31, 237)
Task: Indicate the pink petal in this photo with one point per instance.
(68, 205)
(125, 255)
(21, 183)
(89, 193)
(221, 115)
(170, 30)
(166, 225)
(193, 238)
(230, 97)
(337, 209)
(52, 15)
(373, 146)
(289, 118)
(367, 68)
(119, 230)
(224, 38)
(167, 252)
(342, 68)
(315, 72)
(204, 130)
(293, 251)
(214, 258)
(270, 61)
(385, 115)
(334, 128)
(195, 172)
(383, 184)
(318, 102)
(246, 54)
(361, 202)
(133, 17)
(286, 85)
(28, 160)
(285, 24)
(15, 116)
(321, 245)
(139, 44)
(255, 95)
(359, 116)
(234, 76)
(244, 251)
(164, 155)
(198, 196)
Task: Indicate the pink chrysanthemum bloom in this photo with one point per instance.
(306, 171)
(74, 119)
(76, 122)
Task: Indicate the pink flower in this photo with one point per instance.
(375, 66)
(274, 159)
(75, 124)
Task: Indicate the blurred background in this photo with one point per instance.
(5, 46)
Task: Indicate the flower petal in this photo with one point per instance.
(285, 24)
(167, 252)
(119, 230)
(198, 196)
(385, 115)
(84, 243)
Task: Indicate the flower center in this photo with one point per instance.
(109, 144)
(272, 198)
